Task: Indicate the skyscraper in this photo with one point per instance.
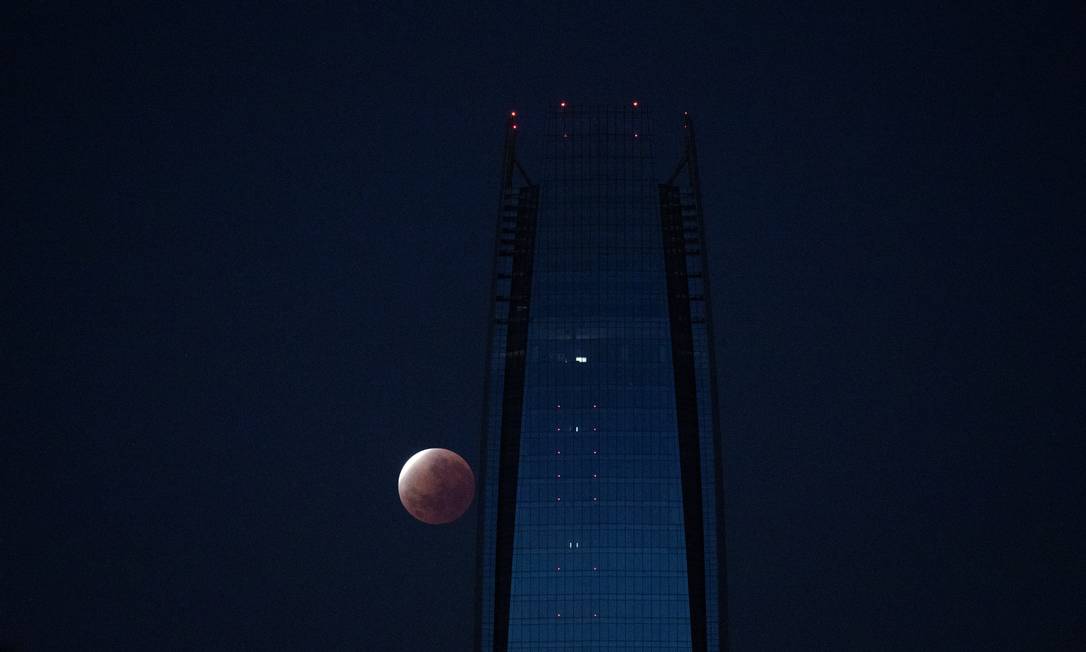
(600, 523)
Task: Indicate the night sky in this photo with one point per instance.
(247, 273)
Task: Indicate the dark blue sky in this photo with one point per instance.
(247, 277)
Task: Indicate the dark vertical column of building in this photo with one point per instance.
(516, 241)
(686, 406)
(508, 158)
(684, 241)
(718, 452)
(521, 247)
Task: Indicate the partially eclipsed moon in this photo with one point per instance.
(436, 486)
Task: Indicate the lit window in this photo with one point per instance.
(581, 358)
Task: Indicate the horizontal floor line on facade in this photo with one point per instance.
(572, 501)
(603, 597)
(593, 645)
(574, 528)
(568, 479)
(634, 619)
(599, 554)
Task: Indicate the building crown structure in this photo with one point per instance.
(600, 514)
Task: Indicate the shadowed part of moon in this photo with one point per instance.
(436, 486)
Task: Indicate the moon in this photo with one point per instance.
(436, 486)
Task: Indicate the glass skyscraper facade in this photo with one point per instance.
(600, 521)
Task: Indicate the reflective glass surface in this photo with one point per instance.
(598, 547)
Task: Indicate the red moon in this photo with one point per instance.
(436, 486)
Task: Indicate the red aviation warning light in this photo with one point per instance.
(635, 104)
(562, 104)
